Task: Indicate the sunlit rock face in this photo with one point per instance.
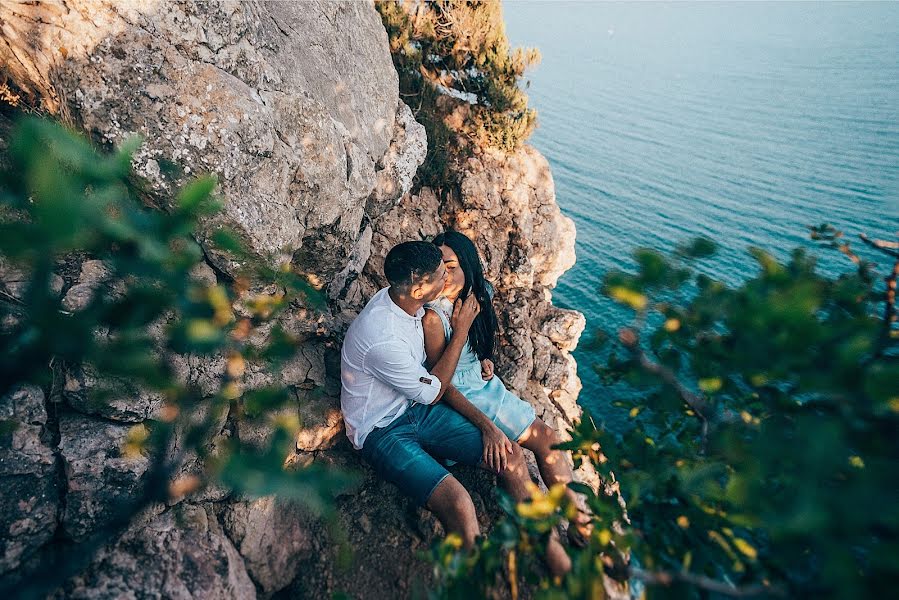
(293, 106)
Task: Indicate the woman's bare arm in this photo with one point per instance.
(435, 337)
(444, 366)
(496, 445)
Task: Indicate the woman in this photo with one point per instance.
(474, 376)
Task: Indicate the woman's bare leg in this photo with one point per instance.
(515, 480)
(539, 438)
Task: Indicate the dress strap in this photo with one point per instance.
(437, 308)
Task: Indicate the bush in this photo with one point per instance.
(459, 76)
(62, 201)
(760, 454)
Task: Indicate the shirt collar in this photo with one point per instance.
(399, 311)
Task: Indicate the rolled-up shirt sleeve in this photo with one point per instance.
(394, 365)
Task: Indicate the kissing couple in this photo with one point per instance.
(419, 390)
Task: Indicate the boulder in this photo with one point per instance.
(93, 273)
(30, 499)
(99, 476)
(528, 241)
(293, 106)
(272, 536)
(112, 398)
(180, 554)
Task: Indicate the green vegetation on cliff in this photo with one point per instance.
(459, 76)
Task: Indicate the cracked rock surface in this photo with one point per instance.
(293, 106)
(29, 501)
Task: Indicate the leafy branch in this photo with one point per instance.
(63, 202)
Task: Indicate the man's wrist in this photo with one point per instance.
(486, 425)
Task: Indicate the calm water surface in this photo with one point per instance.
(740, 122)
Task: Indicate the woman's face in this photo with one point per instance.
(455, 277)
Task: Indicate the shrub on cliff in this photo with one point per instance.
(62, 202)
(460, 76)
(760, 456)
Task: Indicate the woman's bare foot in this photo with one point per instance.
(580, 529)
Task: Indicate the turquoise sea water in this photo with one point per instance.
(741, 122)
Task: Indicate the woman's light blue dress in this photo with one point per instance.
(509, 412)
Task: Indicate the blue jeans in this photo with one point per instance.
(406, 452)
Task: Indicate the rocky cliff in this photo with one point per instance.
(295, 108)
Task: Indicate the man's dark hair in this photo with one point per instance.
(408, 262)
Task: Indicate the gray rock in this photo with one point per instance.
(180, 554)
(516, 195)
(204, 274)
(29, 502)
(14, 280)
(322, 422)
(272, 536)
(112, 398)
(203, 372)
(563, 327)
(258, 432)
(292, 105)
(98, 474)
(93, 273)
(399, 164)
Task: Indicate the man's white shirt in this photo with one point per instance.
(382, 367)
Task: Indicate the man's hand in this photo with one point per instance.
(486, 369)
(464, 314)
(497, 448)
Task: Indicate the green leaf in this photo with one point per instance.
(195, 194)
(697, 248)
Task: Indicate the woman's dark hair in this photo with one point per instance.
(482, 335)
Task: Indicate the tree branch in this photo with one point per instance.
(888, 248)
(706, 583)
(631, 340)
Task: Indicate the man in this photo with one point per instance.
(402, 417)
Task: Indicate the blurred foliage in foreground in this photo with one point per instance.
(761, 456)
(460, 77)
(62, 200)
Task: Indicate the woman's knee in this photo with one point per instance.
(540, 439)
(517, 463)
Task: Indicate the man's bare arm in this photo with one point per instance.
(497, 446)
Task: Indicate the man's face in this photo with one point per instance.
(430, 287)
